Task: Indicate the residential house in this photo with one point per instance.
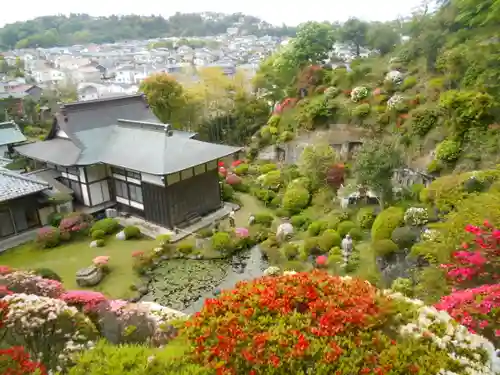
(115, 152)
(21, 198)
(49, 76)
(87, 73)
(10, 135)
(32, 91)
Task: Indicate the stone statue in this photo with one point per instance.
(284, 230)
(347, 247)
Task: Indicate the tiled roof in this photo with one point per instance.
(10, 133)
(14, 185)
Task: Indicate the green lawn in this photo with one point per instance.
(66, 259)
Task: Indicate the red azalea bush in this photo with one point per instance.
(84, 300)
(478, 262)
(16, 361)
(478, 309)
(75, 223)
(310, 322)
(233, 179)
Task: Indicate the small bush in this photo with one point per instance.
(291, 251)
(107, 225)
(165, 238)
(48, 237)
(185, 247)
(55, 218)
(266, 168)
(386, 222)
(365, 217)
(300, 221)
(311, 246)
(361, 111)
(100, 243)
(221, 241)
(47, 273)
(409, 82)
(316, 227)
(423, 120)
(356, 234)
(204, 233)
(227, 192)
(383, 248)
(295, 199)
(241, 169)
(332, 222)
(329, 239)
(404, 237)
(132, 232)
(265, 195)
(345, 227)
(448, 151)
(98, 234)
(264, 218)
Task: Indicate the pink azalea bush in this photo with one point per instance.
(101, 260)
(48, 237)
(478, 309)
(29, 283)
(478, 262)
(84, 300)
(242, 232)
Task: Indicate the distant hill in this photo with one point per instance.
(50, 31)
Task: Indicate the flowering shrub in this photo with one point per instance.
(83, 300)
(395, 101)
(416, 216)
(395, 77)
(101, 260)
(49, 329)
(5, 270)
(479, 261)
(75, 223)
(233, 179)
(332, 92)
(48, 237)
(29, 283)
(317, 323)
(16, 361)
(478, 309)
(272, 271)
(359, 93)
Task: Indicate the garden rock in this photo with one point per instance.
(121, 236)
(89, 276)
(93, 244)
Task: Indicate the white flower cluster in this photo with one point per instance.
(272, 271)
(359, 93)
(289, 273)
(448, 335)
(56, 329)
(416, 216)
(331, 92)
(394, 101)
(29, 283)
(429, 234)
(395, 77)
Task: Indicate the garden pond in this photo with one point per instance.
(184, 284)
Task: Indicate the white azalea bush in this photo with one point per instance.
(395, 101)
(395, 77)
(416, 216)
(359, 93)
(50, 330)
(272, 271)
(430, 234)
(29, 283)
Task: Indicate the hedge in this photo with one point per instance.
(386, 222)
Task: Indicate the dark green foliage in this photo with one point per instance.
(264, 218)
(47, 273)
(132, 232)
(383, 248)
(107, 225)
(386, 222)
(345, 227)
(404, 237)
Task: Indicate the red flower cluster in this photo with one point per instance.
(478, 309)
(4, 270)
(286, 322)
(479, 261)
(16, 361)
(85, 300)
(287, 103)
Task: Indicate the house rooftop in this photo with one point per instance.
(10, 133)
(14, 185)
(121, 131)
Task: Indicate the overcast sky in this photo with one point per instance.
(274, 11)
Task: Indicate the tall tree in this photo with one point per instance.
(315, 163)
(313, 43)
(374, 167)
(355, 32)
(165, 96)
(383, 37)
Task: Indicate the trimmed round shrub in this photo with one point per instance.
(221, 241)
(266, 168)
(448, 151)
(264, 218)
(132, 232)
(98, 234)
(423, 120)
(296, 199)
(165, 238)
(386, 333)
(361, 110)
(241, 169)
(291, 251)
(311, 246)
(404, 237)
(365, 217)
(383, 248)
(227, 192)
(300, 221)
(107, 225)
(185, 247)
(48, 237)
(316, 227)
(47, 273)
(345, 227)
(385, 223)
(100, 243)
(356, 234)
(328, 239)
